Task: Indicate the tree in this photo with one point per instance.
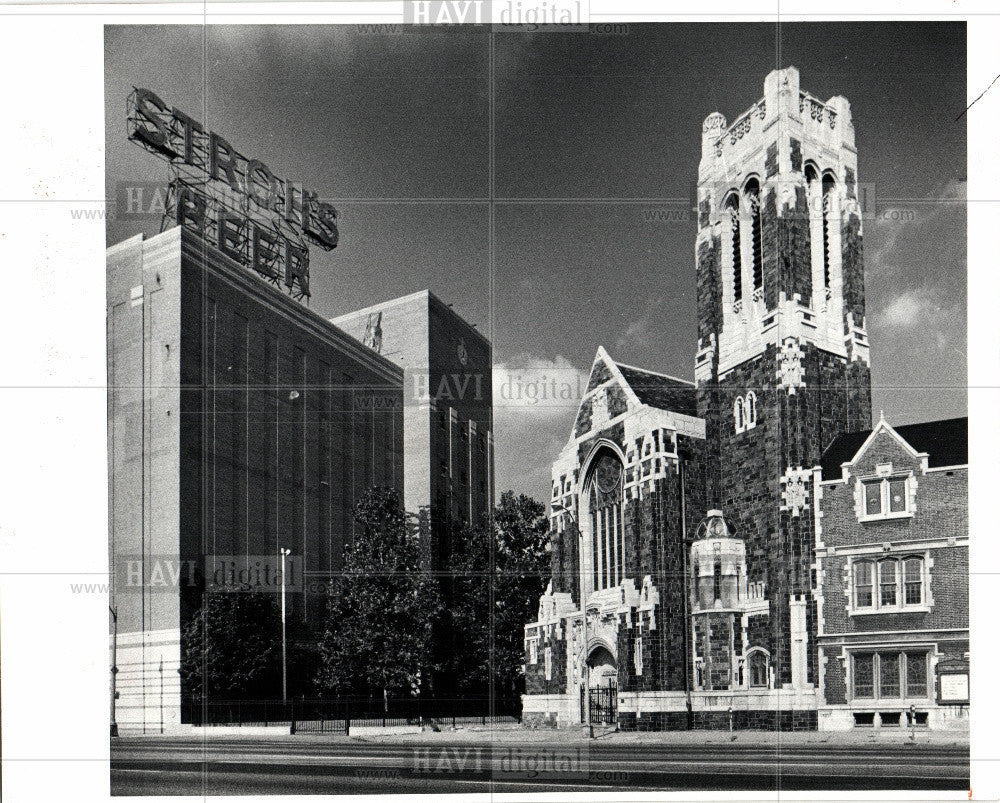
(499, 571)
(381, 609)
(231, 648)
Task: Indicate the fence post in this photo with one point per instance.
(347, 717)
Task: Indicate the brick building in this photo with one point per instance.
(683, 513)
(892, 565)
(239, 422)
(448, 408)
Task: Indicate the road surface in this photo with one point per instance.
(314, 765)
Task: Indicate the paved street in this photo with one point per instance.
(449, 763)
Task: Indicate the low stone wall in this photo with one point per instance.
(540, 719)
(718, 720)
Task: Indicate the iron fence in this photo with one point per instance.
(338, 715)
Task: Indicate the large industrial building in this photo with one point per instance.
(694, 582)
(448, 409)
(240, 423)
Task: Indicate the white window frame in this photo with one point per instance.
(548, 663)
(638, 655)
(885, 497)
(533, 651)
(877, 561)
(739, 414)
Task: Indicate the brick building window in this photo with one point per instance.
(916, 674)
(533, 651)
(548, 663)
(745, 411)
(828, 186)
(638, 655)
(913, 581)
(889, 674)
(900, 583)
(885, 497)
(863, 584)
(751, 410)
(863, 672)
(887, 583)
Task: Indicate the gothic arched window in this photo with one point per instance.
(752, 193)
(606, 520)
(758, 668)
(828, 187)
(751, 410)
(732, 207)
(738, 414)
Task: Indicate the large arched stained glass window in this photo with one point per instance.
(607, 525)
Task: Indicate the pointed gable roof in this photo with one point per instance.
(661, 391)
(649, 387)
(945, 442)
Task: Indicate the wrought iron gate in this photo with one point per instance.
(604, 705)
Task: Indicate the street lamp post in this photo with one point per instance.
(284, 670)
(583, 613)
(114, 670)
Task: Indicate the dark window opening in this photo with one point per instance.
(733, 210)
(756, 232)
(828, 185)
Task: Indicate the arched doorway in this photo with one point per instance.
(602, 671)
(602, 667)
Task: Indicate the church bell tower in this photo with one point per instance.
(782, 366)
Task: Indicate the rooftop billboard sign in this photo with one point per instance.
(238, 204)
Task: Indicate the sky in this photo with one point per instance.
(395, 128)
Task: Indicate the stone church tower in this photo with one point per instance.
(683, 528)
(782, 362)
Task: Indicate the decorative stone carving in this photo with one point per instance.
(791, 374)
(795, 490)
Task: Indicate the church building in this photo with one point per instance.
(683, 515)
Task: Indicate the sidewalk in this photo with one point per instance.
(515, 733)
(500, 734)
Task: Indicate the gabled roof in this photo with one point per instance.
(650, 387)
(945, 442)
(661, 391)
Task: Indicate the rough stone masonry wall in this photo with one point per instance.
(787, 248)
(709, 290)
(653, 547)
(853, 271)
(535, 681)
(791, 431)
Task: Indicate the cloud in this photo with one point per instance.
(535, 400)
(896, 226)
(538, 387)
(910, 309)
(641, 333)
